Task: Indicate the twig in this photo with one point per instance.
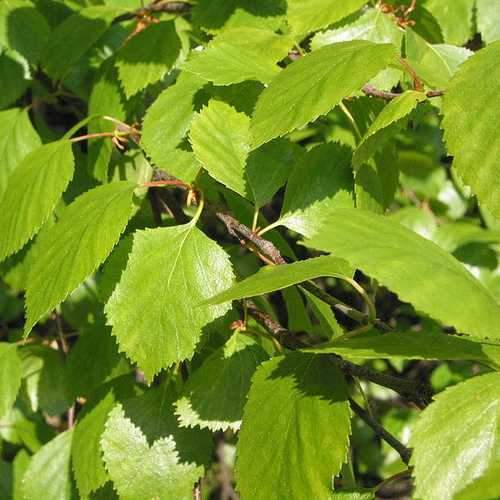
(370, 90)
(403, 451)
(420, 394)
(155, 7)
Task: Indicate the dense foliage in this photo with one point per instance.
(249, 248)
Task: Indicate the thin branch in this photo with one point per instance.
(418, 393)
(370, 90)
(154, 8)
(403, 451)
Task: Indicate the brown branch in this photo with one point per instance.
(418, 393)
(154, 8)
(403, 451)
(370, 90)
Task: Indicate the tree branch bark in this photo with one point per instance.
(155, 7)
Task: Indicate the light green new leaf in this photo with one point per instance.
(434, 64)
(147, 56)
(314, 84)
(216, 392)
(10, 376)
(455, 19)
(240, 54)
(311, 15)
(17, 139)
(168, 119)
(72, 249)
(74, 36)
(271, 278)
(456, 438)
(169, 263)
(414, 345)
(475, 144)
(34, 188)
(86, 453)
(487, 486)
(296, 418)
(23, 29)
(321, 181)
(416, 269)
(488, 20)
(385, 125)
(48, 475)
(219, 136)
(139, 470)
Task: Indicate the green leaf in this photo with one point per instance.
(268, 168)
(313, 15)
(44, 377)
(168, 119)
(17, 139)
(72, 249)
(19, 465)
(486, 486)
(10, 376)
(240, 54)
(296, 418)
(105, 99)
(271, 278)
(488, 20)
(48, 475)
(74, 36)
(333, 72)
(413, 267)
(139, 470)
(373, 25)
(147, 56)
(434, 64)
(455, 19)
(475, 144)
(86, 453)
(321, 180)
(157, 333)
(83, 373)
(461, 428)
(216, 392)
(33, 190)
(413, 345)
(14, 79)
(23, 29)
(219, 136)
(385, 125)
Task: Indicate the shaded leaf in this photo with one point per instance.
(455, 19)
(48, 475)
(305, 16)
(216, 392)
(297, 418)
(322, 180)
(72, 249)
(147, 56)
